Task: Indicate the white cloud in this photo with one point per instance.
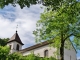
(25, 18)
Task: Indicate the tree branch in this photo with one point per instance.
(76, 35)
(68, 36)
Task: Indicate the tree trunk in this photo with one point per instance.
(62, 47)
(62, 51)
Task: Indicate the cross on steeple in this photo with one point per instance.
(16, 27)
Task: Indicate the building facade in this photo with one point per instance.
(42, 49)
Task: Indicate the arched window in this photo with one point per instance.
(46, 53)
(17, 47)
(10, 46)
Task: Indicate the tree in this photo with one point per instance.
(4, 52)
(58, 25)
(4, 41)
(33, 57)
(16, 56)
(23, 3)
(5, 55)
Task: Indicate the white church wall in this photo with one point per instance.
(10, 44)
(40, 51)
(13, 46)
(68, 54)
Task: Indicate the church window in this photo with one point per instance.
(10, 46)
(46, 53)
(17, 47)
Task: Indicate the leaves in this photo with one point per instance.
(22, 3)
(49, 3)
(4, 41)
(52, 23)
(59, 24)
(4, 51)
(5, 55)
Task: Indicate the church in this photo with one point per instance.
(42, 49)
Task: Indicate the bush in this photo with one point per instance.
(5, 55)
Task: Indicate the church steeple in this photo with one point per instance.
(15, 43)
(16, 38)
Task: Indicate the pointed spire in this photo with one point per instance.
(16, 31)
(16, 38)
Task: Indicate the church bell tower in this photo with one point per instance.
(15, 43)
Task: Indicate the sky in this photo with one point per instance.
(25, 18)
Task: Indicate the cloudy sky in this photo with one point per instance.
(26, 19)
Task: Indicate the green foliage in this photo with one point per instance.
(53, 3)
(76, 43)
(22, 3)
(59, 24)
(4, 41)
(33, 57)
(5, 55)
(15, 56)
(4, 51)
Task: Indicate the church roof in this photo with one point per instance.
(34, 46)
(38, 45)
(16, 38)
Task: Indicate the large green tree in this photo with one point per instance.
(58, 25)
(28, 3)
